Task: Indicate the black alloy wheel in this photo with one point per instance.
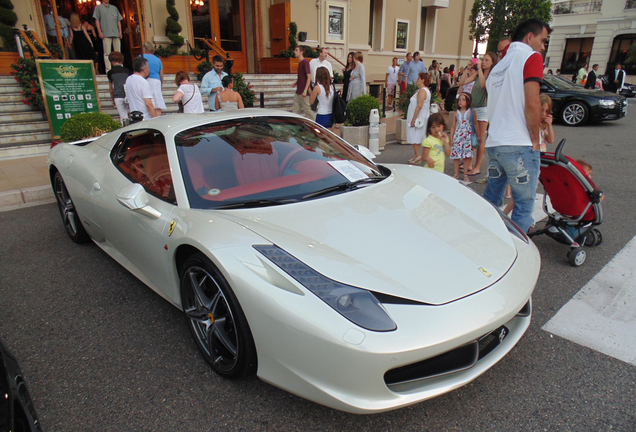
(70, 218)
(216, 319)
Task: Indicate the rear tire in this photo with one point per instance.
(216, 320)
(70, 218)
(599, 236)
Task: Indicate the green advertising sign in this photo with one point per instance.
(68, 88)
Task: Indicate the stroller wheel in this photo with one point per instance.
(599, 236)
(577, 256)
(591, 238)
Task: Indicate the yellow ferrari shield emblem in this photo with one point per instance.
(172, 226)
(484, 271)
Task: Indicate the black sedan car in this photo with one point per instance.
(575, 106)
(17, 413)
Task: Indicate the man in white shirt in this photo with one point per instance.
(390, 80)
(321, 61)
(138, 91)
(514, 115)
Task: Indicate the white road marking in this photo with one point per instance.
(602, 315)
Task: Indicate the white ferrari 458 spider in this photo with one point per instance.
(294, 257)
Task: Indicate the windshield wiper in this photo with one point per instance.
(256, 203)
(342, 187)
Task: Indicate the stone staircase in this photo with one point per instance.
(26, 132)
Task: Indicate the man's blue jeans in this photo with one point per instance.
(519, 166)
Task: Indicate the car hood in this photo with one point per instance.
(418, 234)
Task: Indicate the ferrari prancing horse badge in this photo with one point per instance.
(172, 226)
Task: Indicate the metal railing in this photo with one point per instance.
(578, 8)
(630, 4)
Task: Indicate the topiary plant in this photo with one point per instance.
(337, 78)
(8, 18)
(173, 28)
(87, 125)
(359, 109)
(289, 52)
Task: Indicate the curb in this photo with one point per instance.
(26, 196)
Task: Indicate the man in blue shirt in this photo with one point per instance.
(211, 83)
(403, 72)
(416, 67)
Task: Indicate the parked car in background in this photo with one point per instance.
(575, 106)
(16, 407)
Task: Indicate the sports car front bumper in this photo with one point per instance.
(308, 349)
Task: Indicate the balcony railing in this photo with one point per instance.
(630, 4)
(578, 8)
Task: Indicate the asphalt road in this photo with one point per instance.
(101, 351)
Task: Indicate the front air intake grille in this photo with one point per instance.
(456, 360)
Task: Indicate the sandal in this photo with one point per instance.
(455, 176)
(415, 159)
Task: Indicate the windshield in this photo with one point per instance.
(265, 161)
(560, 83)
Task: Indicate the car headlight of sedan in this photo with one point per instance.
(358, 305)
(607, 103)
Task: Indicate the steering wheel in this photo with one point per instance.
(287, 160)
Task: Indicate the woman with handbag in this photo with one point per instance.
(188, 95)
(463, 136)
(417, 116)
(323, 91)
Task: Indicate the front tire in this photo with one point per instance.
(70, 218)
(575, 114)
(216, 320)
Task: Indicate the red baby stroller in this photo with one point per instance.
(576, 202)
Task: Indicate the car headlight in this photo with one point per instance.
(513, 228)
(359, 306)
(607, 103)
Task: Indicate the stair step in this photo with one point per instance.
(10, 97)
(22, 127)
(25, 138)
(20, 117)
(14, 107)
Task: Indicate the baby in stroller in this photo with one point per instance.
(576, 202)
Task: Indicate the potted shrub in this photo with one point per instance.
(87, 125)
(356, 129)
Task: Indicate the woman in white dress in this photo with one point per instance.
(228, 99)
(188, 93)
(417, 116)
(358, 80)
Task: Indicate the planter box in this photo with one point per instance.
(400, 130)
(273, 65)
(359, 135)
(6, 60)
(176, 63)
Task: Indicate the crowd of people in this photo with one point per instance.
(499, 112)
(141, 89)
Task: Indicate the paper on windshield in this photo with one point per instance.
(348, 170)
